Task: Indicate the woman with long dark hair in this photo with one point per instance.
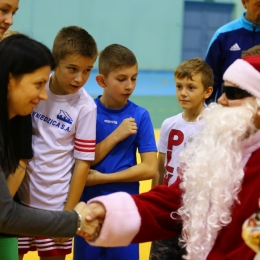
(25, 67)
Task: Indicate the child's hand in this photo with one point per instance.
(126, 128)
(94, 178)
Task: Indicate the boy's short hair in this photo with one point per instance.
(73, 40)
(113, 57)
(189, 68)
(254, 51)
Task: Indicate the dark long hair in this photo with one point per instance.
(19, 55)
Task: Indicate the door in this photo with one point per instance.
(201, 20)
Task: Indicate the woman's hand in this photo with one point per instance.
(90, 227)
(97, 213)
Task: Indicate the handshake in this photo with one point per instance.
(92, 217)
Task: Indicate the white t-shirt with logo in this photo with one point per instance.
(64, 128)
(175, 133)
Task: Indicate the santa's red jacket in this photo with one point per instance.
(151, 215)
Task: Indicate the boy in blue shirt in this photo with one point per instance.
(122, 128)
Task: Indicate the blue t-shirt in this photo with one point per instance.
(123, 155)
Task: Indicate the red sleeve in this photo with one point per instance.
(157, 209)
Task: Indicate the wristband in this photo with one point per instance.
(79, 222)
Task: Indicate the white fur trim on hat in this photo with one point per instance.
(245, 76)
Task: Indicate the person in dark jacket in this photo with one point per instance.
(230, 40)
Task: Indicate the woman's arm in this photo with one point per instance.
(20, 220)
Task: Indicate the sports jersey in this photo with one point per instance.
(226, 46)
(174, 134)
(63, 129)
(121, 157)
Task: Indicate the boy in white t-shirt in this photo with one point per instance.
(64, 138)
(194, 81)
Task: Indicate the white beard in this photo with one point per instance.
(212, 175)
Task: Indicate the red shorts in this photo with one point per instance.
(46, 247)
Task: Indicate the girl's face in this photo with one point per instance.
(26, 92)
(7, 11)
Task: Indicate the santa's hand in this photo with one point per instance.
(89, 229)
(97, 211)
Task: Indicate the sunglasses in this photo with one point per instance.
(233, 93)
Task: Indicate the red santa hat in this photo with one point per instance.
(245, 73)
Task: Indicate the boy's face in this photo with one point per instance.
(191, 93)
(118, 86)
(71, 74)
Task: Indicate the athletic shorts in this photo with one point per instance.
(46, 247)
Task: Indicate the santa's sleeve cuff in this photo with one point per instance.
(122, 221)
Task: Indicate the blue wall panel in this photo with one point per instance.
(200, 22)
